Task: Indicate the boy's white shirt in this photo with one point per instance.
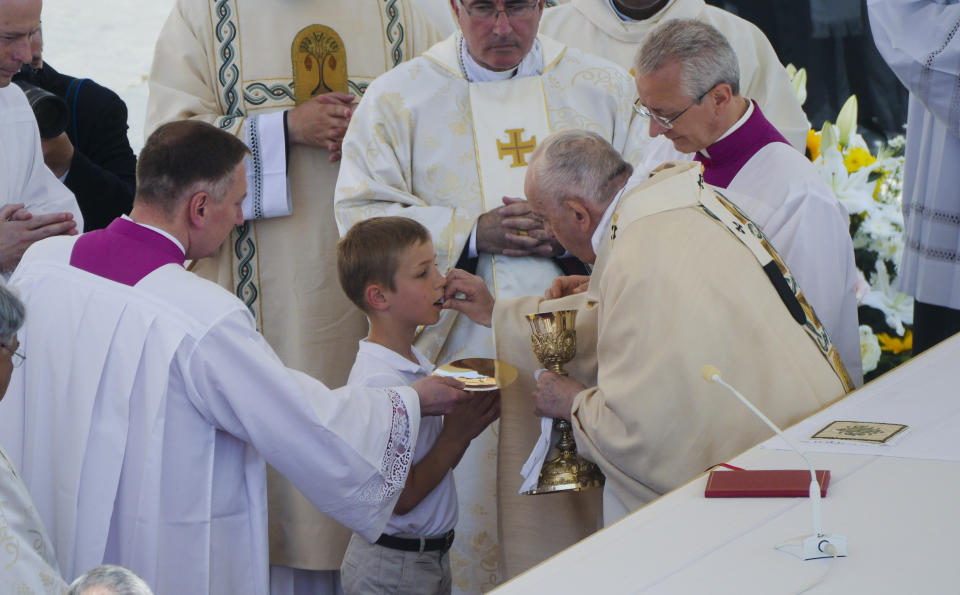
(379, 366)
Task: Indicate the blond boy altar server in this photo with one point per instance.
(445, 139)
(283, 76)
(614, 29)
(143, 417)
(682, 278)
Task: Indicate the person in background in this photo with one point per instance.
(92, 157)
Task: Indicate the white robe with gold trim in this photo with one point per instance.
(411, 150)
(229, 62)
(592, 26)
(672, 291)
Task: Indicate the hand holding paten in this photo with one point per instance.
(321, 122)
(568, 285)
(514, 230)
(554, 395)
(475, 301)
(439, 394)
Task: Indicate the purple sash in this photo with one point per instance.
(729, 155)
(124, 252)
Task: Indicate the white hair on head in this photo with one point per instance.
(577, 163)
(12, 313)
(705, 56)
(108, 578)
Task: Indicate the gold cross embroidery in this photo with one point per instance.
(516, 147)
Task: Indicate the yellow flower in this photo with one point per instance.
(856, 158)
(813, 144)
(895, 344)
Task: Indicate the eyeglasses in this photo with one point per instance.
(666, 122)
(16, 358)
(485, 11)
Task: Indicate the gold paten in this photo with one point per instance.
(554, 341)
(319, 62)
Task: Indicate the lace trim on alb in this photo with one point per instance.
(396, 458)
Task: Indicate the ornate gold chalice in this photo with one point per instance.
(554, 342)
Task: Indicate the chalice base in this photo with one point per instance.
(568, 472)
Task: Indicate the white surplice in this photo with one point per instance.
(24, 178)
(230, 63)
(593, 26)
(27, 563)
(918, 40)
(143, 417)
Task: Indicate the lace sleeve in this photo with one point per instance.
(396, 459)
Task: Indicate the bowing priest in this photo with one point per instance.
(149, 403)
(615, 29)
(688, 85)
(445, 139)
(682, 278)
(33, 203)
(284, 77)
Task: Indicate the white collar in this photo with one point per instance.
(601, 231)
(159, 231)
(743, 120)
(395, 360)
(531, 65)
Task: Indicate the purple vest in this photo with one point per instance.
(124, 252)
(727, 156)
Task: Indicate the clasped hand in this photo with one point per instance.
(554, 395)
(322, 122)
(515, 230)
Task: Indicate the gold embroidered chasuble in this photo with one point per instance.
(672, 290)
(427, 144)
(226, 61)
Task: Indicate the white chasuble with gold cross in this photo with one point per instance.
(427, 144)
(239, 64)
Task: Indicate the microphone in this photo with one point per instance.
(817, 545)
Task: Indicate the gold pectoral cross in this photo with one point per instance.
(516, 147)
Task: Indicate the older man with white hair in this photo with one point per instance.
(682, 278)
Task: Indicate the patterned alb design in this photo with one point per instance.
(396, 458)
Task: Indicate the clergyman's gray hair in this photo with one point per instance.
(109, 579)
(704, 53)
(578, 163)
(12, 314)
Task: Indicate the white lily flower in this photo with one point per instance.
(869, 348)
(854, 191)
(847, 121)
(897, 308)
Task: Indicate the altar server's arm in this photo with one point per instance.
(376, 174)
(183, 84)
(348, 450)
(918, 39)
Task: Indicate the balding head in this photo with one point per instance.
(572, 178)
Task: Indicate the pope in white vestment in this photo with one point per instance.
(594, 26)
(143, 416)
(682, 279)
(24, 178)
(433, 143)
(242, 65)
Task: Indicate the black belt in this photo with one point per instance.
(415, 544)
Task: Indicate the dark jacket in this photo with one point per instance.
(103, 172)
